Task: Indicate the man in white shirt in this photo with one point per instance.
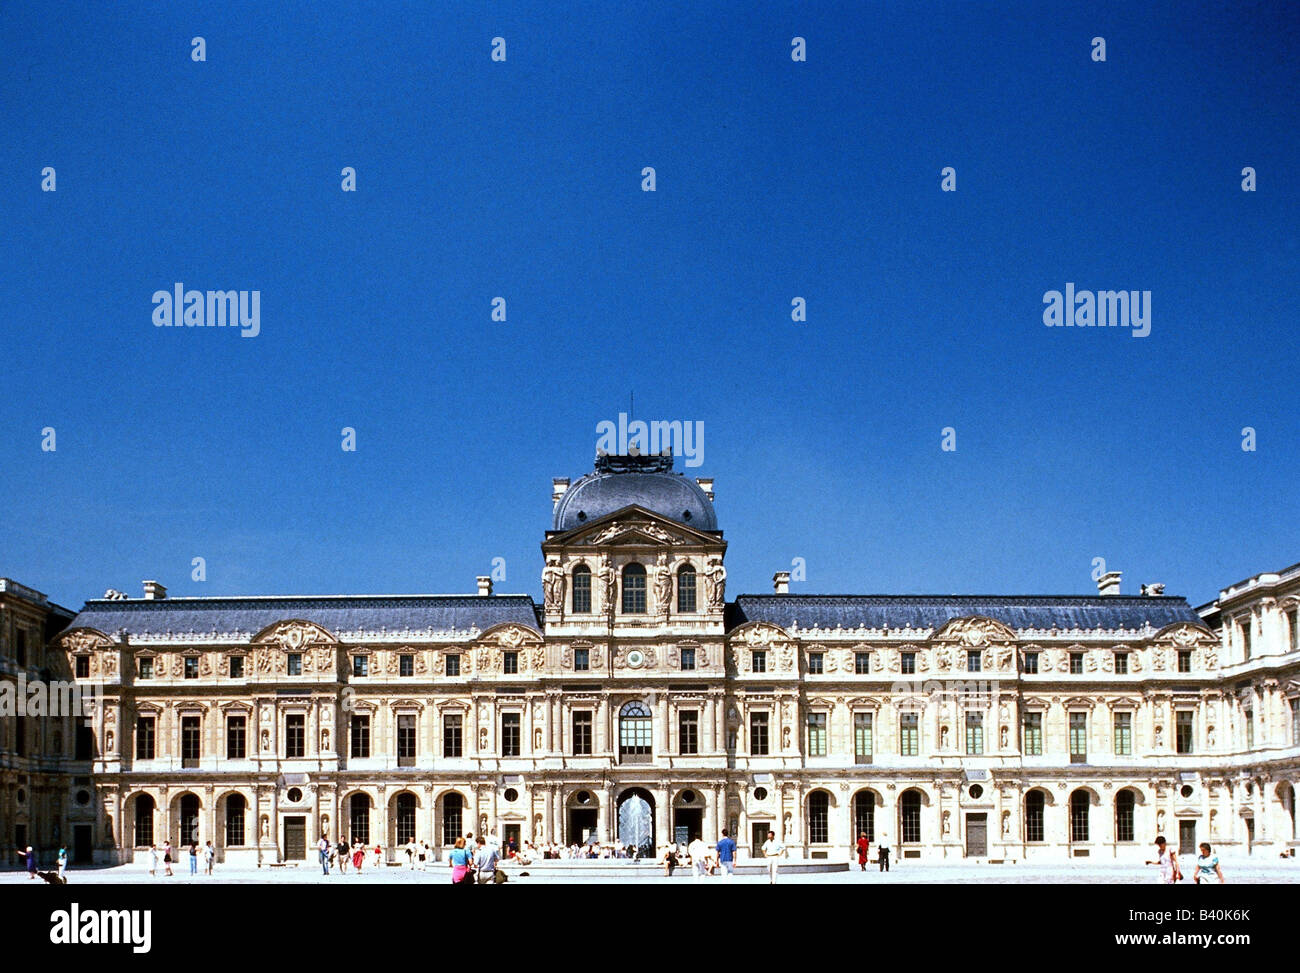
(485, 862)
(699, 853)
(773, 851)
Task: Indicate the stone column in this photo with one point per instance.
(663, 818)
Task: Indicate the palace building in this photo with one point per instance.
(637, 702)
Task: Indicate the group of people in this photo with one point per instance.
(703, 861)
(863, 848)
(1205, 872)
(169, 856)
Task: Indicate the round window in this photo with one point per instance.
(688, 797)
(511, 795)
(1186, 790)
(976, 791)
(635, 658)
(294, 795)
(583, 797)
(83, 797)
(760, 793)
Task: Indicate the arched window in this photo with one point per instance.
(1034, 804)
(189, 819)
(634, 589)
(909, 810)
(236, 807)
(405, 818)
(453, 806)
(864, 815)
(359, 818)
(1079, 801)
(634, 733)
(1286, 794)
(819, 818)
(144, 807)
(1124, 802)
(686, 588)
(581, 590)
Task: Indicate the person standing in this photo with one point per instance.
(29, 861)
(63, 861)
(882, 853)
(323, 849)
(379, 854)
(699, 853)
(864, 847)
(1207, 866)
(773, 851)
(344, 853)
(153, 860)
(1167, 859)
(461, 862)
(358, 858)
(727, 855)
(485, 862)
(167, 857)
(194, 857)
(209, 856)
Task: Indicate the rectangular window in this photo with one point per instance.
(452, 665)
(862, 743)
(1184, 731)
(1294, 616)
(191, 667)
(405, 666)
(146, 668)
(1076, 663)
(973, 660)
(688, 732)
(909, 735)
(295, 663)
(295, 735)
(758, 734)
(816, 734)
(688, 660)
(451, 735)
(360, 665)
(909, 663)
(1124, 734)
(406, 739)
(144, 738)
(510, 742)
(1246, 625)
(1031, 663)
(1184, 660)
(21, 651)
(359, 732)
(815, 663)
(1121, 663)
(861, 663)
(581, 590)
(1250, 728)
(582, 733)
(236, 667)
(758, 660)
(1034, 735)
(1295, 722)
(85, 740)
(581, 660)
(236, 737)
(83, 667)
(510, 663)
(974, 734)
(190, 747)
(1078, 737)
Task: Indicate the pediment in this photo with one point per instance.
(760, 635)
(1185, 635)
(632, 526)
(294, 634)
(510, 636)
(84, 640)
(975, 631)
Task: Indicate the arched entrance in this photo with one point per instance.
(582, 817)
(402, 813)
(636, 821)
(864, 815)
(688, 815)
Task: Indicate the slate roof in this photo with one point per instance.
(933, 611)
(671, 495)
(337, 613)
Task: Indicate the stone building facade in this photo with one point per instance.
(637, 702)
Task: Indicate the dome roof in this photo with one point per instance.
(647, 481)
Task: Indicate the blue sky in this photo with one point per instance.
(776, 179)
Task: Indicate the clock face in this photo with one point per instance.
(635, 658)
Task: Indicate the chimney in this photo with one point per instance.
(781, 583)
(706, 484)
(1108, 583)
(153, 591)
(559, 487)
(484, 585)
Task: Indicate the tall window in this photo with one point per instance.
(189, 819)
(1031, 663)
(688, 659)
(909, 663)
(582, 733)
(143, 820)
(85, 739)
(634, 733)
(582, 660)
(359, 731)
(1184, 660)
(236, 737)
(83, 666)
(360, 665)
(236, 807)
(862, 663)
(1295, 722)
(192, 667)
(451, 663)
(581, 589)
(972, 660)
(862, 742)
(688, 731)
(1079, 816)
(1245, 636)
(20, 650)
(815, 663)
(864, 814)
(294, 663)
(1183, 731)
(758, 734)
(1124, 830)
(405, 818)
(1078, 737)
(406, 740)
(1294, 616)
(909, 735)
(406, 665)
(1124, 734)
(816, 734)
(295, 735)
(236, 668)
(190, 737)
(1121, 663)
(909, 812)
(634, 589)
(359, 818)
(453, 806)
(510, 663)
(451, 736)
(146, 668)
(1034, 803)
(974, 734)
(1033, 734)
(510, 742)
(1249, 715)
(819, 817)
(758, 660)
(686, 589)
(144, 738)
(1076, 663)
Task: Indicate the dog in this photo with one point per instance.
(52, 878)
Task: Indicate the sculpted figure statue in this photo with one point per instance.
(715, 584)
(553, 584)
(608, 584)
(663, 586)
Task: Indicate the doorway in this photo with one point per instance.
(83, 852)
(513, 833)
(977, 835)
(636, 821)
(757, 835)
(688, 824)
(1187, 838)
(582, 823)
(295, 838)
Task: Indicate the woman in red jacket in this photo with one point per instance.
(863, 847)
